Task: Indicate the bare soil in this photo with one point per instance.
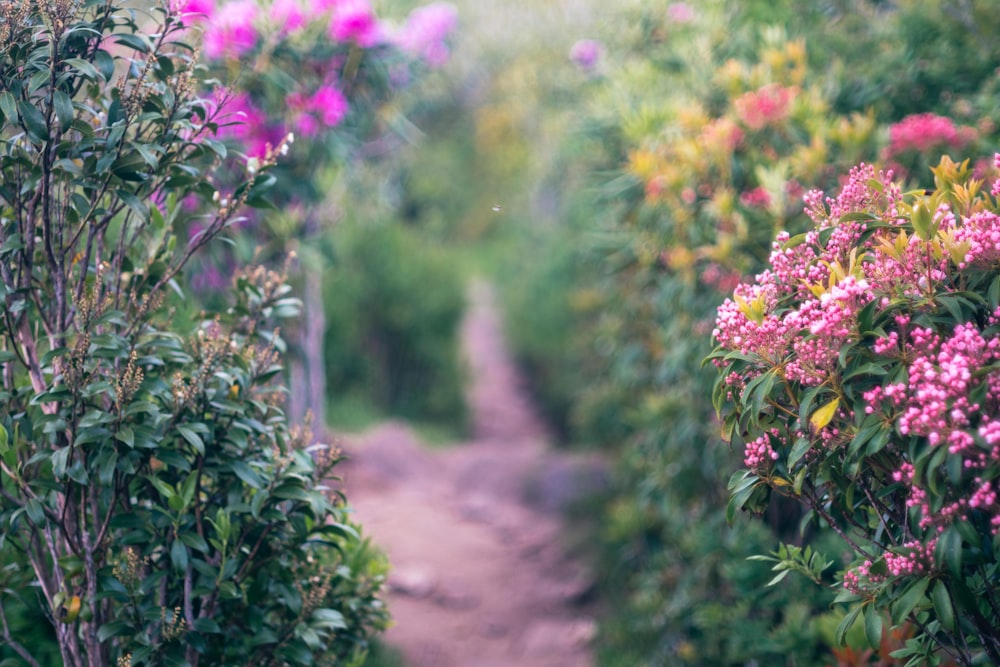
(481, 575)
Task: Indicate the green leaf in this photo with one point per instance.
(178, 556)
(114, 629)
(64, 108)
(942, 605)
(329, 618)
(35, 512)
(195, 541)
(845, 625)
(4, 439)
(33, 121)
(192, 438)
(247, 474)
(799, 449)
(59, 459)
(83, 67)
(948, 551)
(910, 598)
(135, 41)
(8, 104)
(873, 626)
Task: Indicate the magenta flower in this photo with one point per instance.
(426, 30)
(230, 33)
(288, 15)
(586, 53)
(355, 21)
(329, 104)
(195, 10)
(241, 120)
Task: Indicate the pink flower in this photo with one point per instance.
(326, 107)
(756, 198)
(329, 104)
(426, 30)
(230, 33)
(680, 12)
(354, 20)
(287, 14)
(765, 106)
(586, 53)
(925, 131)
(195, 11)
(240, 120)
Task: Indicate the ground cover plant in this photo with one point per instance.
(859, 373)
(156, 505)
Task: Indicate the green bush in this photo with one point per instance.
(155, 504)
(394, 306)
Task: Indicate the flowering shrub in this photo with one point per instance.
(154, 500)
(323, 73)
(860, 374)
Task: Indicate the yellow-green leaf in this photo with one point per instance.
(824, 415)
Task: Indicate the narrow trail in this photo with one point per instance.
(480, 574)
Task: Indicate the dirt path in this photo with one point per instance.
(480, 575)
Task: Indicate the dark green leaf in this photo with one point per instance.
(83, 67)
(911, 597)
(845, 625)
(64, 108)
(33, 121)
(8, 104)
(799, 449)
(873, 626)
(114, 629)
(942, 605)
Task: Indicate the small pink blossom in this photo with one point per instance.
(329, 104)
(426, 30)
(355, 21)
(756, 198)
(680, 12)
(230, 33)
(586, 53)
(768, 105)
(288, 15)
(195, 11)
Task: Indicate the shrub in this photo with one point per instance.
(859, 372)
(153, 492)
(394, 304)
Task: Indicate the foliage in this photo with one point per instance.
(395, 304)
(153, 492)
(860, 373)
(706, 123)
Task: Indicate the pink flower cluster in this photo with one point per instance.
(759, 455)
(915, 558)
(798, 317)
(861, 580)
(324, 108)
(926, 131)
(768, 105)
(426, 32)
